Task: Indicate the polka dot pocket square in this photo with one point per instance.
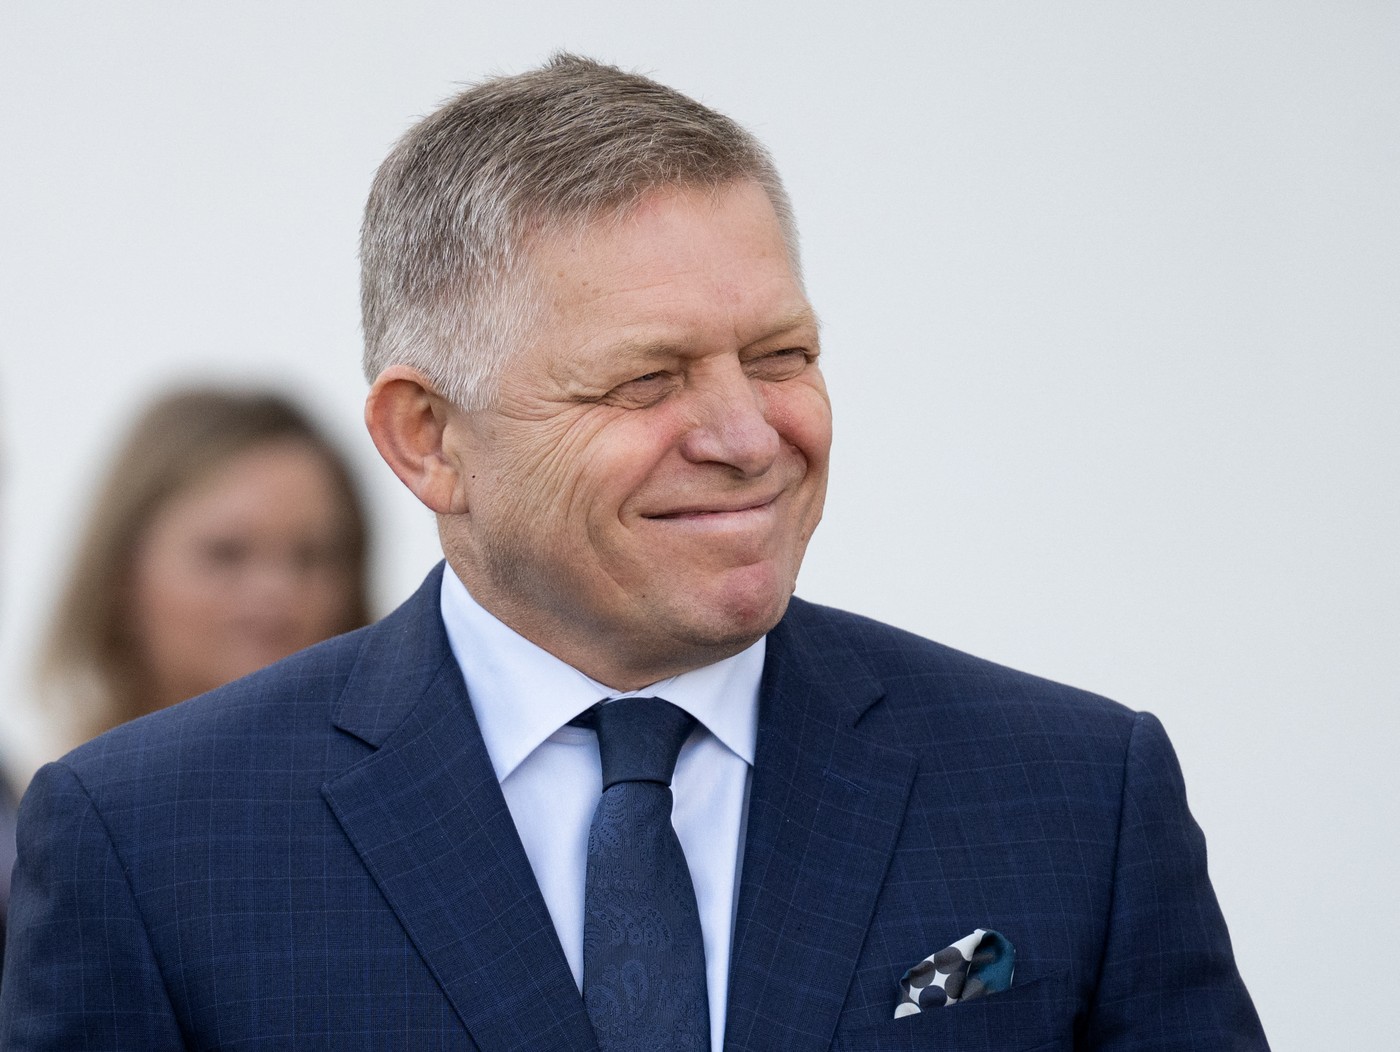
(974, 966)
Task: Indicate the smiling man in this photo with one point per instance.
(603, 783)
(638, 491)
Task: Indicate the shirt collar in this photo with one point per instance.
(522, 694)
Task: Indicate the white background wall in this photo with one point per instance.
(1112, 306)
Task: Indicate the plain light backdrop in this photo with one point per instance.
(1111, 295)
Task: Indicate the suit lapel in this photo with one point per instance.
(824, 814)
(427, 817)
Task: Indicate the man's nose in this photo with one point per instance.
(731, 424)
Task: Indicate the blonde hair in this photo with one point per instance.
(89, 660)
(445, 276)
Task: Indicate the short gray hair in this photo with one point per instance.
(446, 285)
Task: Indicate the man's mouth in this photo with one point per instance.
(711, 509)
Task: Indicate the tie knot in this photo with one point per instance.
(639, 739)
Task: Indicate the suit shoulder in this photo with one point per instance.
(920, 674)
(262, 714)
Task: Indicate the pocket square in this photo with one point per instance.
(975, 965)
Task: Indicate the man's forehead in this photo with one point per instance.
(572, 233)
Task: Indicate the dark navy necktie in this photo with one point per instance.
(643, 954)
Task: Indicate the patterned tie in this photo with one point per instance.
(643, 955)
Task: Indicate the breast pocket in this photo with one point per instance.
(1037, 1016)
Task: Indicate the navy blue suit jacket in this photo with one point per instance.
(319, 857)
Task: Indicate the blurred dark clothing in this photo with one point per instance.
(7, 857)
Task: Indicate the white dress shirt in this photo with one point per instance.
(550, 773)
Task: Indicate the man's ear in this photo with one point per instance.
(409, 422)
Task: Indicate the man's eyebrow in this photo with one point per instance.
(660, 347)
(795, 319)
(642, 348)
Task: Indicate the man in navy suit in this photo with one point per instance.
(593, 358)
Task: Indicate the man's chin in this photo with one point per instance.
(737, 616)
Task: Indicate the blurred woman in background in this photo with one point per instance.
(228, 535)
